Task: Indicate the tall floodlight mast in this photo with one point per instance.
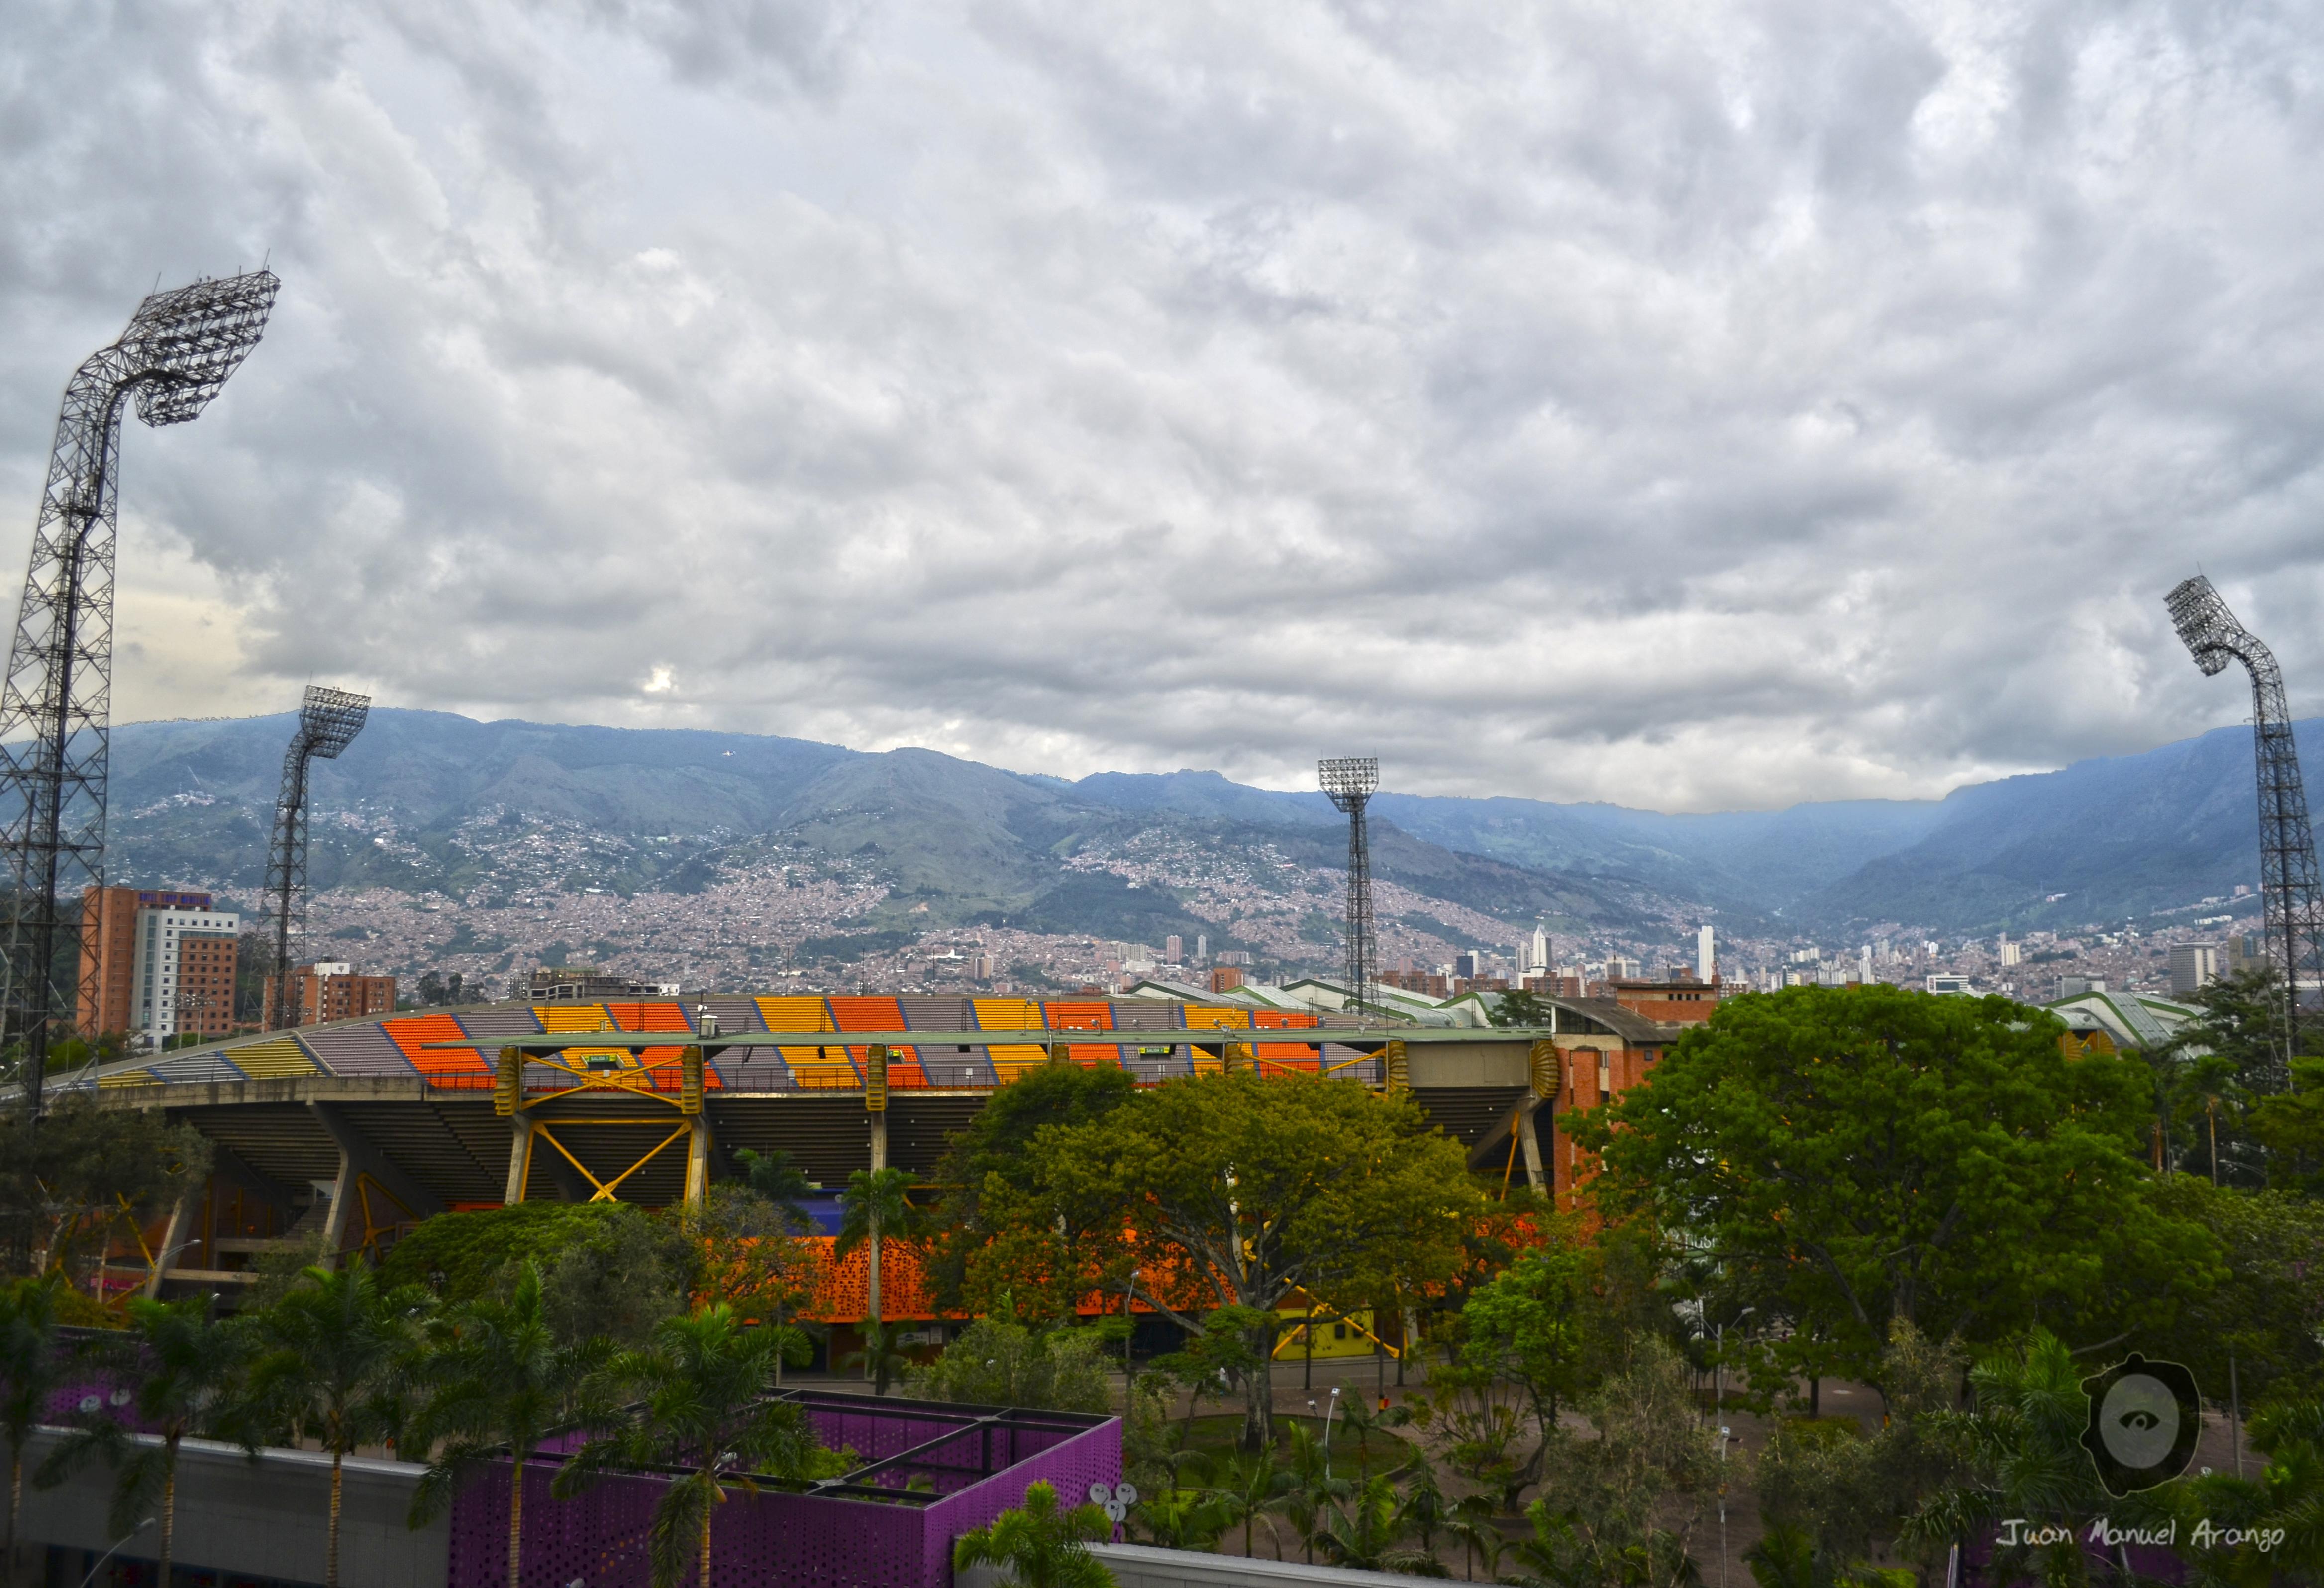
(1350, 781)
(2290, 891)
(329, 722)
(56, 707)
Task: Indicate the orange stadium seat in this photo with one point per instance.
(1286, 1055)
(1086, 1017)
(412, 1032)
(879, 1014)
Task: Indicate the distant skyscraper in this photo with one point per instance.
(1706, 955)
(1174, 949)
(1202, 947)
(1864, 962)
(1538, 953)
(2194, 967)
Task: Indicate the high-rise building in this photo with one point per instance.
(1537, 951)
(159, 963)
(1465, 964)
(2193, 967)
(1706, 954)
(2005, 949)
(1174, 949)
(1202, 947)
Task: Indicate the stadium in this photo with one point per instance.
(358, 1130)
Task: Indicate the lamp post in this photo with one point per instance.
(108, 1556)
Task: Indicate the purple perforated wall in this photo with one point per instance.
(773, 1540)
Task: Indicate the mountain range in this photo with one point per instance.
(428, 800)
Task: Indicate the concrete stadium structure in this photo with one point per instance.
(359, 1129)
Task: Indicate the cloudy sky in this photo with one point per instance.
(1687, 405)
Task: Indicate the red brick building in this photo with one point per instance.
(333, 989)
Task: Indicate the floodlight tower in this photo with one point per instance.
(57, 701)
(329, 722)
(2290, 891)
(1350, 781)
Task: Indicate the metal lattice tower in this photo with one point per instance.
(329, 722)
(2289, 888)
(1350, 781)
(56, 707)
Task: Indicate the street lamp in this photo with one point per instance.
(108, 1556)
(1129, 1341)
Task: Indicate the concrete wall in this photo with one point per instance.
(268, 1517)
(1482, 1063)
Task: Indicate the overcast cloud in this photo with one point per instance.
(1684, 405)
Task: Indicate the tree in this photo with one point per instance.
(499, 1377)
(31, 1368)
(2265, 1313)
(1856, 1155)
(1834, 1495)
(752, 1259)
(1216, 1358)
(1604, 1503)
(65, 1186)
(873, 1206)
(773, 1175)
(999, 1361)
(1540, 1327)
(2023, 1457)
(188, 1367)
(703, 1383)
(997, 1147)
(461, 1256)
(333, 1367)
(1310, 1489)
(1248, 1488)
(1520, 1007)
(1248, 1189)
(1364, 1534)
(1040, 1544)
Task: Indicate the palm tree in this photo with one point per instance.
(872, 1206)
(1252, 1486)
(1039, 1544)
(2024, 1442)
(1363, 1535)
(704, 1380)
(187, 1365)
(1472, 1521)
(31, 1370)
(881, 1358)
(1308, 1496)
(500, 1380)
(335, 1354)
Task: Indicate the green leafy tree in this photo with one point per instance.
(2222, 1519)
(1216, 1358)
(1519, 1007)
(999, 1361)
(1472, 1520)
(334, 1357)
(751, 1257)
(461, 1256)
(1040, 1543)
(1862, 1155)
(66, 1188)
(1250, 1189)
(997, 1147)
(703, 1384)
(188, 1367)
(1540, 1327)
(2266, 1313)
(31, 1368)
(497, 1378)
(1843, 1494)
(1607, 1502)
(775, 1177)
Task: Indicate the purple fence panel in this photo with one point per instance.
(775, 1539)
(1070, 1467)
